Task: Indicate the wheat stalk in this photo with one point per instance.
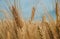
(17, 28)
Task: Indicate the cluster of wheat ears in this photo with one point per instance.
(17, 28)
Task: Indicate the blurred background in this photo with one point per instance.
(26, 6)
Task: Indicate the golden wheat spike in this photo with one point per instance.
(56, 12)
(33, 13)
(58, 17)
(19, 21)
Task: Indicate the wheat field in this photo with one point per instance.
(18, 28)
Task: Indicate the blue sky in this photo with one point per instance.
(26, 7)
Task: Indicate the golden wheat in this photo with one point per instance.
(17, 28)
